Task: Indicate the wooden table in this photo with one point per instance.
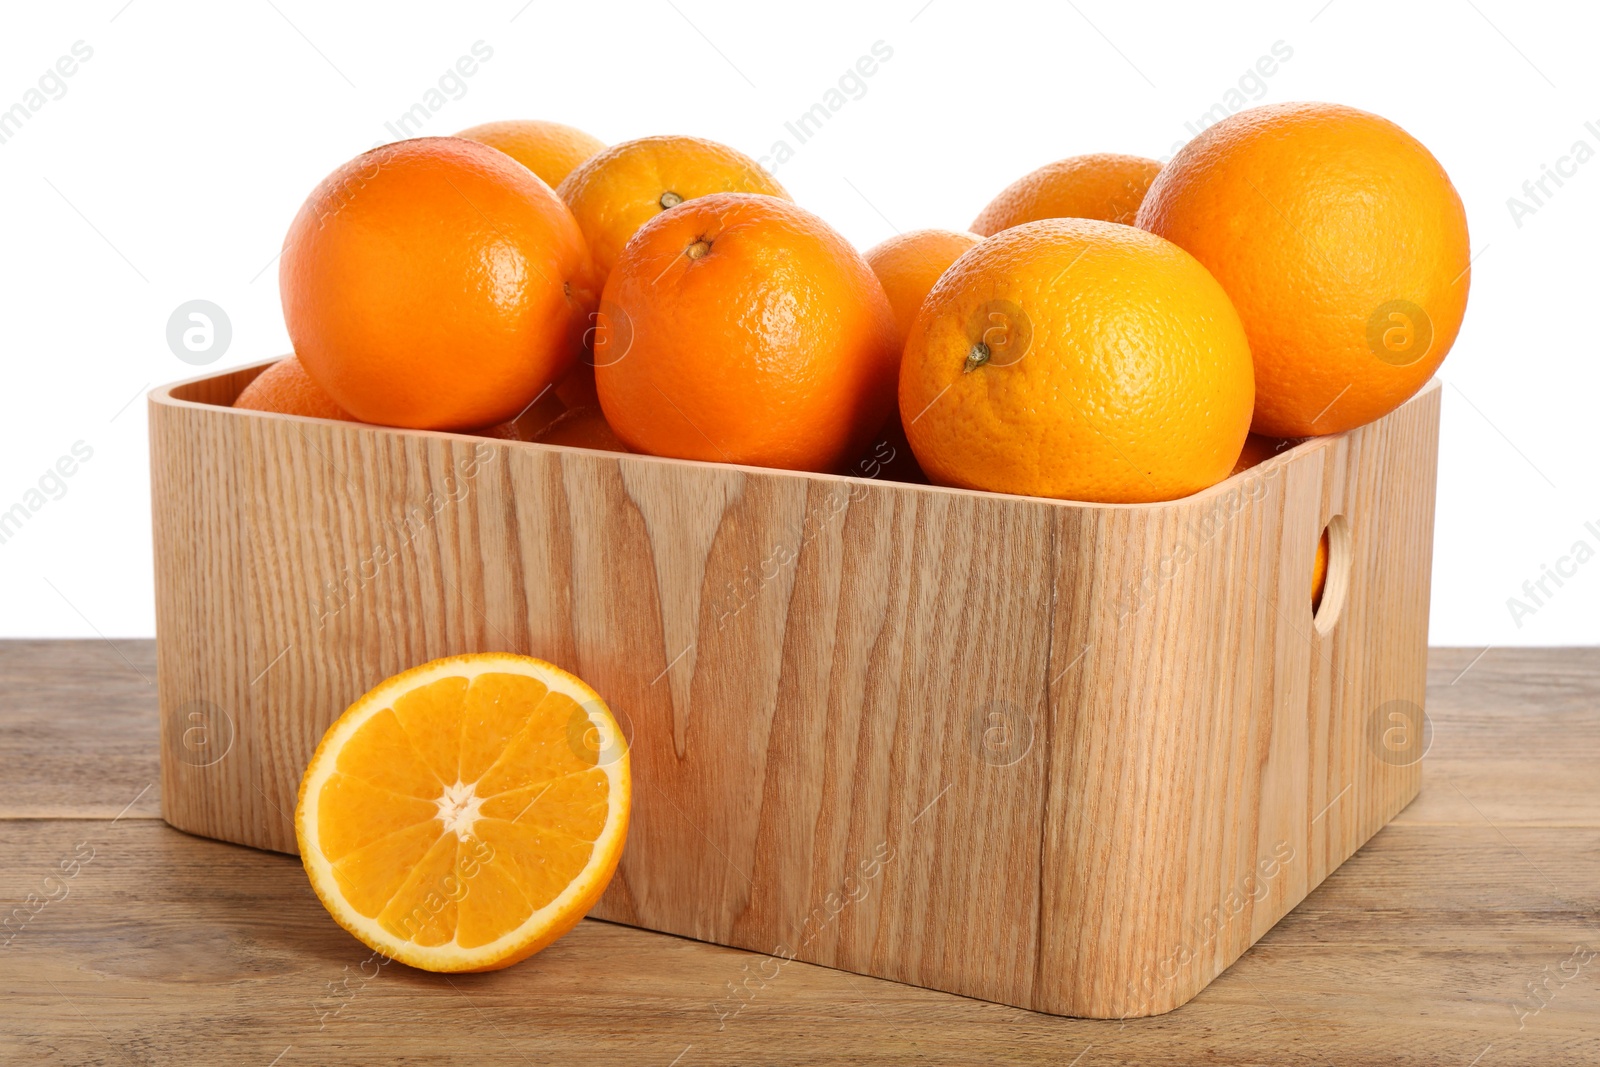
(1464, 933)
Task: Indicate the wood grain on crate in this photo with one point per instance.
(169, 948)
(810, 669)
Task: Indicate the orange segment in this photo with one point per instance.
(580, 799)
(423, 910)
(544, 860)
(497, 708)
(431, 718)
(383, 755)
(494, 904)
(545, 748)
(354, 813)
(466, 813)
(369, 877)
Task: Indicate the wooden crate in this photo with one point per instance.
(1071, 757)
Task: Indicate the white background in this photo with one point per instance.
(172, 164)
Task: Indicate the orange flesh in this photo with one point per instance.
(526, 830)
(1319, 572)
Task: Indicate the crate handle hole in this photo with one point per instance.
(1328, 602)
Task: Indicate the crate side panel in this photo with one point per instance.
(852, 640)
(961, 896)
(370, 557)
(203, 671)
(1202, 765)
(1262, 601)
(659, 543)
(1370, 736)
(1164, 702)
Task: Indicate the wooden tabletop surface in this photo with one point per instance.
(1465, 933)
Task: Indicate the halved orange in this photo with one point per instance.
(466, 813)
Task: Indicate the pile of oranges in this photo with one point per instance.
(1110, 329)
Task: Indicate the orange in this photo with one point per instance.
(577, 389)
(1343, 245)
(1259, 449)
(907, 265)
(627, 185)
(549, 149)
(286, 388)
(1077, 359)
(1102, 186)
(889, 457)
(1319, 571)
(530, 422)
(584, 427)
(435, 284)
(742, 328)
(466, 813)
